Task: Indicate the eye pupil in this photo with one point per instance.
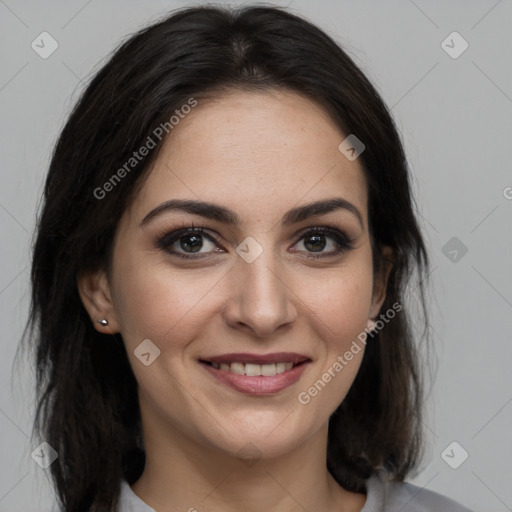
(317, 246)
(196, 244)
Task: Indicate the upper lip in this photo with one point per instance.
(277, 357)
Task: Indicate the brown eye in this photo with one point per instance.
(317, 239)
(185, 242)
(315, 243)
(192, 242)
(188, 242)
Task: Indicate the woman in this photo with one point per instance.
(218, 276)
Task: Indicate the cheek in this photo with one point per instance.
(341, 307)
(155, 302)
(342, 317)
(342, 303)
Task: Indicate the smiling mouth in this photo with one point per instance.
(256, 374)
(255, 370)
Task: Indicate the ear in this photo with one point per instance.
(380, 282)
(96, 296)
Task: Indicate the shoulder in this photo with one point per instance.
(388, 496)
(130, 502)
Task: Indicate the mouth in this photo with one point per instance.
(257, 374)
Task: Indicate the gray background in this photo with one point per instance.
(455, 118)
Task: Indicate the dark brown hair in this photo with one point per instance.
(87, 407)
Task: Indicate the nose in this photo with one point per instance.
(260, 300)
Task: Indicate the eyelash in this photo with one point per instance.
(343, 242)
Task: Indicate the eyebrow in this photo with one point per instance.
(229, 217)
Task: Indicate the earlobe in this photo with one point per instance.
(94, 291)
(381, 282)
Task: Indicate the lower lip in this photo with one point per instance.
(258, 385)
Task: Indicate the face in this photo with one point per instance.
(258, 285)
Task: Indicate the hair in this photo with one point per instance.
(87, 403)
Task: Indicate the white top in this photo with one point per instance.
(381, 496)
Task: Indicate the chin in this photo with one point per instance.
(257, 437)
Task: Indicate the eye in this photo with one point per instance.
(188, 242)
(316, 239)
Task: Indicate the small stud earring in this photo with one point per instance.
(103, 322)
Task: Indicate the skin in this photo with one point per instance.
(259, 154)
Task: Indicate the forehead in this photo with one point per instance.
(257, 153)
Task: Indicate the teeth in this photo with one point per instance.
(254, 370)
(237, 368)
(268, 370)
